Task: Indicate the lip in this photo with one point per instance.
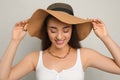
(59, 42)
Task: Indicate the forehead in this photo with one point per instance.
(56, 23)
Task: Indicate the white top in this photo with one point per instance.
(74, 73)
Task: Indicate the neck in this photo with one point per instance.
(60, 55)
(58, 51)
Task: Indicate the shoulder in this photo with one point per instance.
(33, 57)
(87, 56)
(87, 51)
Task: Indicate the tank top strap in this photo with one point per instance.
(79, 62)
(39, 60)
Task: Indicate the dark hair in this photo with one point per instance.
(46, 43)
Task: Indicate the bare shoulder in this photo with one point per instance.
(86, 55)
(91, 57)
(33, 57)
(89, 54)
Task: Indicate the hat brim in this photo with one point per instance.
(36, 21)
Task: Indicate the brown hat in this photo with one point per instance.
(62, 12)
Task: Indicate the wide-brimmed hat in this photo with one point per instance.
(64, 13)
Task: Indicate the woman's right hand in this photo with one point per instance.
(19, 30)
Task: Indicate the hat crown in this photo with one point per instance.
(61, 7)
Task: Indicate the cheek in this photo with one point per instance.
(68, 35)
(51, 36)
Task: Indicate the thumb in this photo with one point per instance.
(25, 27)
(94, 25)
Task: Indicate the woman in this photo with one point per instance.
(62, 57)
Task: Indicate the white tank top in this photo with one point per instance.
(74, 73)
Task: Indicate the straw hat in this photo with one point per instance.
(62, 12)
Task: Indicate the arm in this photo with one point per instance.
(100, 30)
(99, 61)
(7, 58)
(95, 59)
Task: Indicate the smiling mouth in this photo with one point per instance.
(59, 42)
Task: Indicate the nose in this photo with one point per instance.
(59, 35)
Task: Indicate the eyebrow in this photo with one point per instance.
(67, 26)
(53, 27)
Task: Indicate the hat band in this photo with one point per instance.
(63, 9)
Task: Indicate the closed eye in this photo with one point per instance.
(53, 29)
(66, 29)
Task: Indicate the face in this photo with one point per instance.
(59, 33)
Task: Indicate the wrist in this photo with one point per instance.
(14, 41)
(105, 38)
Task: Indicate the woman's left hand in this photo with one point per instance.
(99, 28)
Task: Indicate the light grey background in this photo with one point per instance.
(12, 11)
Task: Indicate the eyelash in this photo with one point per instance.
(53, 31)
(65, 31)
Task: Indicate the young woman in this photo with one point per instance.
(62, 57)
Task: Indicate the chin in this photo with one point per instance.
(60, 45)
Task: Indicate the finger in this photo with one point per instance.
(92, 19)
(24, 22)
(100, 21)
(25, 27)
(94, 25)
(96, 21)
(17, 24)
(20, 23)
(27, 20)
